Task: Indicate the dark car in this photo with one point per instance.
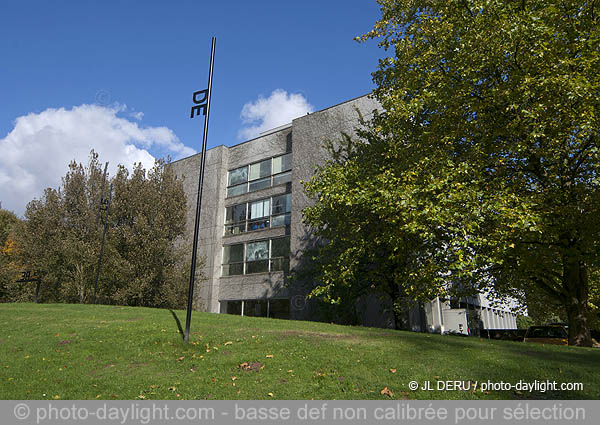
(552, 334)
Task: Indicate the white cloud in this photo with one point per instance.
(137, 115)
(266, 113)
(36, 153)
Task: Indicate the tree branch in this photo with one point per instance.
(464, 3)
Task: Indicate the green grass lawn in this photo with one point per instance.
(52, 351)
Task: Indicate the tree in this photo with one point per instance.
(364, 246)
(8, 269)
(486, 153)
(61, 236)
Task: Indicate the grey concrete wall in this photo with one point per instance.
(211, 226)
(309, 134)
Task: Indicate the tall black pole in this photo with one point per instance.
(101, 193)
(188, 317)
(102, 243)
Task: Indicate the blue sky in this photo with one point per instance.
(118, 77)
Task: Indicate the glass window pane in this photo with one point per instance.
(259, 209)
(281, 264)
(261, 223)
(257, 266)
(282, 204)
(281, 220)
(233, 269)
(257, 251)
(260, 184)
(261, 169)
(255, 308)
(282, 178)
(232, 307)
(282, 163)
(237, 190)
(233, 253)
(237, 176)
(235, 214)
(279, 309)
(235, 229)
(280, 247)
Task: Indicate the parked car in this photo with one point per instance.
(551, 334)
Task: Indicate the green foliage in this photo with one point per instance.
(524, 322)
(142, 263)
(484, 166)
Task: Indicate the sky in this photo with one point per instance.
(118, 77)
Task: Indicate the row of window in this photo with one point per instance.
(277, 308)
(256, 215)
(263, 174)
(268, 255)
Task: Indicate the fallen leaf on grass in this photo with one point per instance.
(228, 343)
(255, 366)
(386, 391)
(270, 394)
(180, 358)
(172, 388)
(393, 370)
(269, 356)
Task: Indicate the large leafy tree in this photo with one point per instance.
(142, 263)
(486, 153)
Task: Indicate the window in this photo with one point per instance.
(260, 169)
(282, 206)
(237, 190)
(258, 214)
(280, 254)
(233, 259)
(235, 219)
(276, 308)
(260, 175)
(282, 178)
(264, 256)
(259, 184)
(257, 257)
(282, 163)
(262, 214)
(281, 166)
(237, 176)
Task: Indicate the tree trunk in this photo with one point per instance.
(575, 281)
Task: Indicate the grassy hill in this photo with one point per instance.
(52, 351)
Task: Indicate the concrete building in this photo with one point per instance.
(251, 231)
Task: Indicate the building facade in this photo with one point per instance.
(251, 231)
